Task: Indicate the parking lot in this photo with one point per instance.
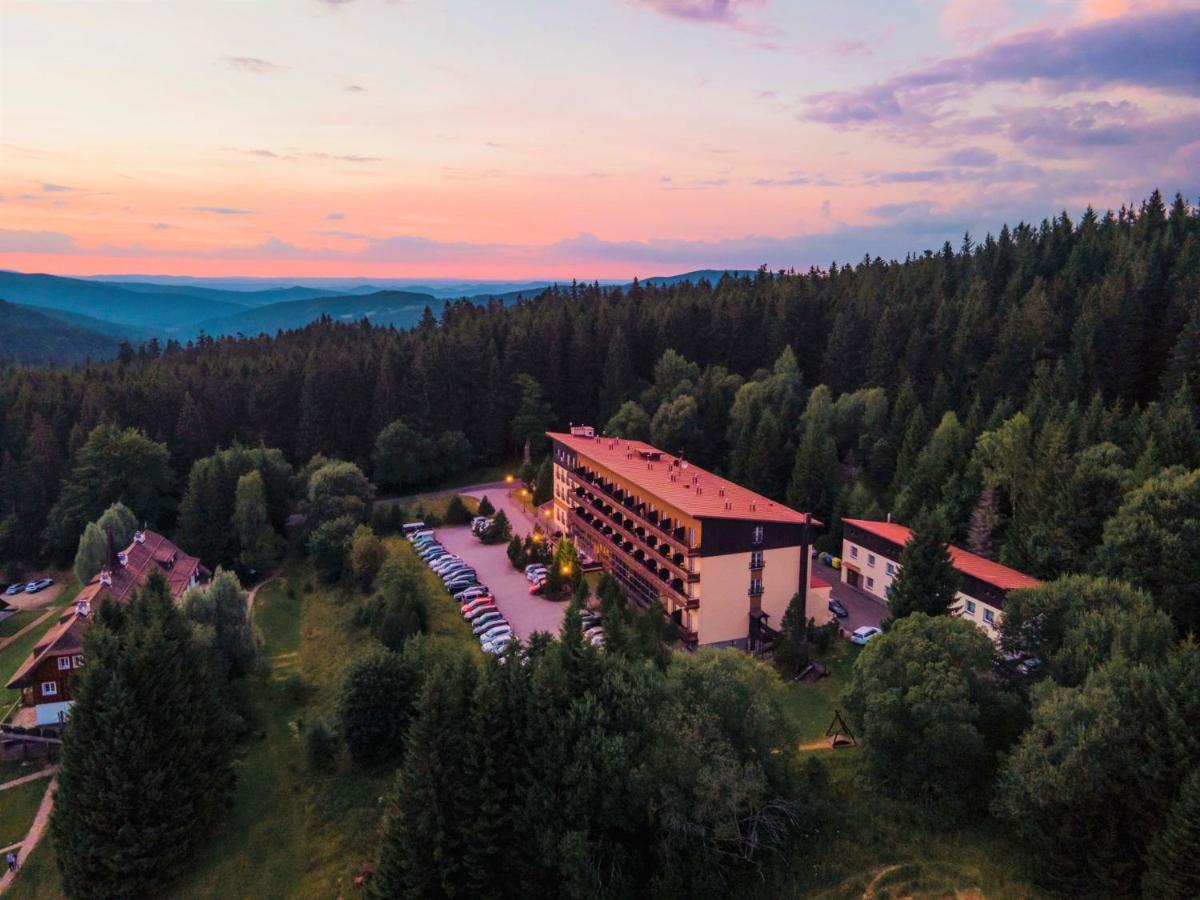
(526, 613)
(863, 609)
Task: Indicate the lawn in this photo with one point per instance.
(17, 808)
(420, 505)
(17, 621)
(291, 833)
(813, 703)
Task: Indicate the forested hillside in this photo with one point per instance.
(1024, 384)
(31, 337)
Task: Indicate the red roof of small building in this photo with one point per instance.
(965, 561)
(142, 557)
(689, 488)
(151, 553)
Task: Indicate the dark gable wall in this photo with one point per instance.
(721, 536)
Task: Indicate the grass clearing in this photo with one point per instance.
(812, 704)
(17, 621)
(17, 808)
(292, 833)
(448, 486)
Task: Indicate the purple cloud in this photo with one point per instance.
(1155, 50)
(224, 210)
(51, 188)
(335, 217)
(970, 156)
(13, 240)
(721, 12)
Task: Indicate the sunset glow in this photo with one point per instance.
(592, 139)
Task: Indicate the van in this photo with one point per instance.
(412, 527)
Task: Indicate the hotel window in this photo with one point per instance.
(756, 586)
(757, 537)
(853, 552)
(49, 689)
(890, 569)
(756, 559)
(870, 583)
(970, 607)
(64, 663)
(871, 559)
(989, 616)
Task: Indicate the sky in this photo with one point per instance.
(580, 139)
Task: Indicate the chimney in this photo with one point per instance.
(83, 609)
(111, 554)
(139, 537)
(106, 577)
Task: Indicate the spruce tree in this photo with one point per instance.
(146, 759)
(927, 581)
(425, 851)
(1174, 865)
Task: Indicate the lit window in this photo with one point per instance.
(870, 559)
(78, 660)
(970, 607)
(989, 616)
(64, 663)
(870, 582)
(49, 689)
(853, 552)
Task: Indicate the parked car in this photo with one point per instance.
(1029, 666)
(485, 623)
(534, 567)
(597, 638)
(15, 588)
(456, 572)
(835, 606)
(496, 647)
(426, 535)
(538, 587)
(479, 605)
(479, 520)
(412, 527)
(445, 563)
(461, 584)
(496, 631)
(470, 594)
(864, 634)
(480, 524)
(432, 552)
(34, 586)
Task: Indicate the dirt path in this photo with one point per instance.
(32, 625)
(32, 776)
(35, 832)
(254, 591)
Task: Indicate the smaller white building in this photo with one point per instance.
(871, 560)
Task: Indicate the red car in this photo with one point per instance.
(538, 587)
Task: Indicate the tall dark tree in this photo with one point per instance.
(148, 745)
(927, 581)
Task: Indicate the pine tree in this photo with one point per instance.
(1173, 864)
(485, 506)
(981, 533)
(927, 581)
(259, 544)
(148, 746)
(425, 851)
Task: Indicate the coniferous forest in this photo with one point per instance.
(1032, 395)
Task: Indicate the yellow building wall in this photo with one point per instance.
(724, 613)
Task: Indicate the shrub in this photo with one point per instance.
(457, 512)
(367, 554)
(321, 747)
(485, 506)
(296, 689)
(375, 708)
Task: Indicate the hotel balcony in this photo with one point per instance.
(653, 525)
(635, 558)
(633, 531)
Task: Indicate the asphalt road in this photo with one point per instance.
(526, 612)
(863, 608)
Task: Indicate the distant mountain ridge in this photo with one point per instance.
(30, 337)
(136, 308)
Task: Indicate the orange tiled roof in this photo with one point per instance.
(689, 488)
(966, 562)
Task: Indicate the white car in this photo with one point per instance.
(488, 622)
(496, 647)
(864, 634)
(500, 632)
(534, 567)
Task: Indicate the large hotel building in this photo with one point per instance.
(722, 561)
